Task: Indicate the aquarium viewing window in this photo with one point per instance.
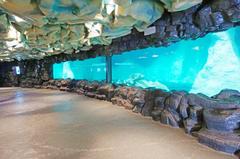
(91, 69)
(205, 65)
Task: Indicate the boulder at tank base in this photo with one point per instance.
(226, 142)
(222, 120)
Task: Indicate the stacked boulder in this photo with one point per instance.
(215, 121)
(129, 98)
(222, 122)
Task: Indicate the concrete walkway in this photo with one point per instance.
(43, 124)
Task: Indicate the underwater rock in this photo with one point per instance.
(137, 80)
(150, 84)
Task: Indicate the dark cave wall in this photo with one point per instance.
(7, 76)
(37, 71)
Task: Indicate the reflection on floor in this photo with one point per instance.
(52, 124)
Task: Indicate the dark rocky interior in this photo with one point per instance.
(214, 121)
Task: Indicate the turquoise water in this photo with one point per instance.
(91, 69)
(206, 65)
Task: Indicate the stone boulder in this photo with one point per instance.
(121, 92)
(168, 118)
(107, 90)
(222, 120)
(122, 102)
(184, 107)
(226, 142)
(139, 101)
(211, 103)
(149, 103)
(227, 93)
(65, 83)
(191, 126)
(91, 86)
(173, 101)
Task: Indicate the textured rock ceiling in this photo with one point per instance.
(37, 28)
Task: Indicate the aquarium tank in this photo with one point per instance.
(90, 69)
(205, 65)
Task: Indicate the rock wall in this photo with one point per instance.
(193, 23)
(39, 70)
(214, 121)
(7, 76)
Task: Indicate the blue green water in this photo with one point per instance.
(206, 65)
(91, 69)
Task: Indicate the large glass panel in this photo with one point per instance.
(206, 65)
(91, 69)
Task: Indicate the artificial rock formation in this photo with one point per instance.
(223, 123)
(216, 127)
(46, 27)
(43, 32)
(49, 32)
(215, 121)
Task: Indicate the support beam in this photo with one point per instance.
(108, 69)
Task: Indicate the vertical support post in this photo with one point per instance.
(108, 69)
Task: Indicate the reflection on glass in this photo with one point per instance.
(206, 65)
(16, 70)
(91, 69)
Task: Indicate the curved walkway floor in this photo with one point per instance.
(43, 124)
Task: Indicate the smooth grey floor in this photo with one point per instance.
(46, 124)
